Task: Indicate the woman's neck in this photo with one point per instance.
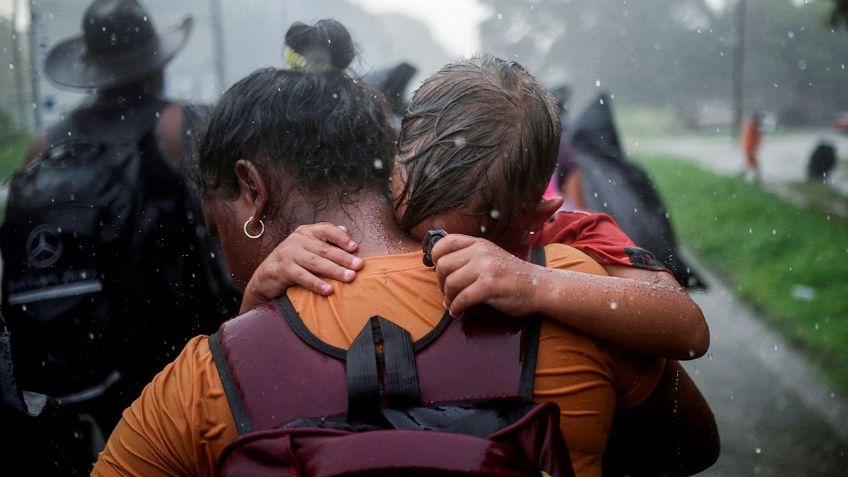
(370, 221)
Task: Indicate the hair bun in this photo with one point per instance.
(325, 44)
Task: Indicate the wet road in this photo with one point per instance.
(783, 158)
(776, 418)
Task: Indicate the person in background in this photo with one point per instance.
(566, 181)
(751, 138)
(108, 267)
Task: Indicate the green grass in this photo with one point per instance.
(12, 155)
(820, 196)
(767, 249)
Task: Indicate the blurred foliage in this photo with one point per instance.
(675, 53)
(8, 129)
(13, 146)
(12, 156)
(772, 252)
(839, 13)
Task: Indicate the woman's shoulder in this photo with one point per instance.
(565, 257)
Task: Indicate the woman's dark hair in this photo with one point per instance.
(481, 134)
(325, 132)
(325, 43)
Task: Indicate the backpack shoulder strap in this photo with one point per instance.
(271, 376)
(534, 328)
(459, 364)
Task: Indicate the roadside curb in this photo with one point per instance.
(784, 361)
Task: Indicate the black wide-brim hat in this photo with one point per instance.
(118, 46)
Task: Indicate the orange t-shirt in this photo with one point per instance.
(181, 422)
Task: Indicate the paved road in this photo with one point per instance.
(783, 158)
(776, 418)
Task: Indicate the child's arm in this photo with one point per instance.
(649, 317)
(652, 313)
(310, 252)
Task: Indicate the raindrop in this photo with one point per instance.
(597, 83)
(613, 305)
(790, 34)
(773, 232)
(335, 96)
(536, 280)
(495, 214)
(802, 65)
(23, 308)
(500, 16)
(601, 100)
(11, 66)
(157, 114)
(816, 327)
(460, 142)
(378, 165)
(483, 229)
(758, 450)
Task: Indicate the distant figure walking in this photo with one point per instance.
(751, 138)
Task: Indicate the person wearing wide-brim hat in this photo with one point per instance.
(164, 287)
(120, 57)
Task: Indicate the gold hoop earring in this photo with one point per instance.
(261, 228)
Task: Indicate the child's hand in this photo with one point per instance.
(474, 271)
(310, 252)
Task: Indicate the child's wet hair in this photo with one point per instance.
(481, 134)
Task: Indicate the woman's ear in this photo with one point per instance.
(543, 211)
(254, 194)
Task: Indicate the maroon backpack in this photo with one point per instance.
(456, 402)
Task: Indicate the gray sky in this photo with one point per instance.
(453, 22)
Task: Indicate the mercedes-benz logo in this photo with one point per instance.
(44, 246)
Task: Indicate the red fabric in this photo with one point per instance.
(598, 236)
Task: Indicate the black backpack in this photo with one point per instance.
(107, 267)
